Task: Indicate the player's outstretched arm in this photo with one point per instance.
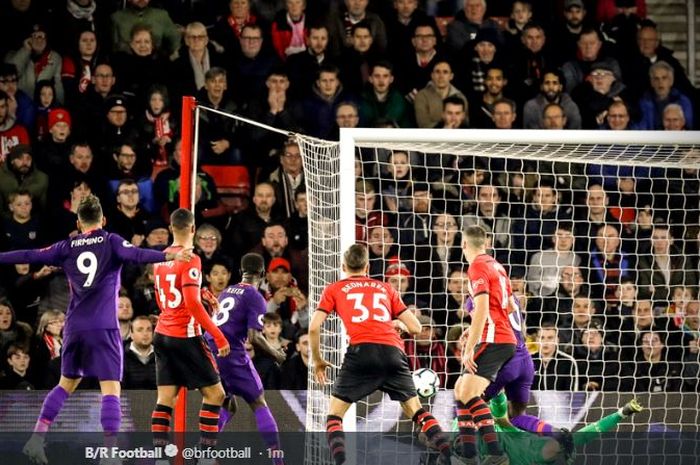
(48, 256)
(317, 360)
(412, 323)
(255, 336)
(193, 302)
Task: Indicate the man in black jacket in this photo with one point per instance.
(139, 358)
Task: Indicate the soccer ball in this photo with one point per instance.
(427, 382)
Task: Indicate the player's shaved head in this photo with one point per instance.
(181, 219)
(252, 264)
(475, 236)
(90, 210)
(356, 258)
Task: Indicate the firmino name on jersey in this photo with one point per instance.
(354, 285)
(87, 241)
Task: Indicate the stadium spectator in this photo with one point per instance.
(116, 129)
(551, 91)
(542, 216)
(287, 178)
(643, 320)
(545, 266)
(157, 234)
(144, 297)
(21, 107)
(457, 293)
(665, 267)
(382, 248)
(11, 329)
(303, 67)
(591, 215)
(246, 228)
(347, 115)
(617, 117)
(164, 33)
(597, 362)
(553, 117)
(504, 113)
(608, 263)
(64, 218)
(289, 29)
(595, 94)
(297, 225)
(37, 61)
(414, 225)
(19, 173)
(454, 114)
(413, 69)
(139, 357)
(662, 93)
(381, 101)
(125, 312)
(128, 164)
(45, 98)
(75, 18)
(89, 109)
(589, 51)
(11, 132)
(480, 56)
(250, 68)
(466, 25)
(217, 275)
(22, 228)
(156, 126)
(47, 345)
(79, 65)
(207, 243)
(345, 16)
(365, 214)
(53, 149)
(427, 350)
(401, 23)
(520, 16)
(284, 296)
(128, 219)
(228, 29)
(428, 101)
(481, 110)
(491, 216)
(316, 111)
(532, 58)
(673, 118)
(655, 370)
(624, 305)
(399, 277)
(554, 308)
(268, 369)
(18, 365)
(691, 354)
(216, 132)
(295, 370)
(275, 244)
(554, 369)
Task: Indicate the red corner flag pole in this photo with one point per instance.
(186, 174)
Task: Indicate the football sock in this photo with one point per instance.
(605, 424)
(431, 428)
(481, 416)
(209, 425)
(336, 438)
(532, 424)
(224, 418)
(160, 424)
(50, 408)
(467, 431)
(268, 430)
(111, 418)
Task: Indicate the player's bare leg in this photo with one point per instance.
(34, 448)
(334, 429)
(473, 414)
(429, 426)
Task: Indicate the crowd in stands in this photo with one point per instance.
(90, 102)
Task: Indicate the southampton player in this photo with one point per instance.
(489, 345)
(241, 309)
(375, 359)
(183, 358)
(524, 448)
(92, 346)
(516, 377)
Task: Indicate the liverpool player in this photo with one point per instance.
(183, 358)
(489, 345)
(241, 309)
(375, 359)
(92, 346)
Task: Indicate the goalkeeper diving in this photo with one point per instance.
(525, 448)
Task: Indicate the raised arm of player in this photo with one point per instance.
(412, 323)
(126, 251)
(479, 316)
(317, 360)
(193, 302)
(513, 304)
(52, 255)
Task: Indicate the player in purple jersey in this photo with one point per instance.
(92, 346)
(516, 377)
(240, 315)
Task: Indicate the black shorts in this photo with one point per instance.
(371, 367)
(185, 362)
(490, 357)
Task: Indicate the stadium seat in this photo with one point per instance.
(229, 180)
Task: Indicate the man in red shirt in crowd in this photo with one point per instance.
(375, 359)
(491, 342)
(183, 358)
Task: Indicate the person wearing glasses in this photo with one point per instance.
(128, 218)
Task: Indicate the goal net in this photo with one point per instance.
(599, 233)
